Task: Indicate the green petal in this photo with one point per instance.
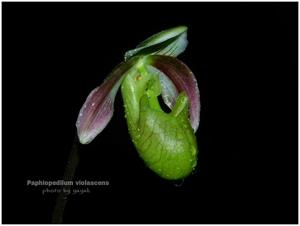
(169, 42)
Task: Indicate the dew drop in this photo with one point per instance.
(93, 104)
(194, 170)
(178, 183)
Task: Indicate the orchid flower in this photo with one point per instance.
(165, 141)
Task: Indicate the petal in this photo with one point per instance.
(97, 110)
(169, 92)
(169, 42)
(183, 79)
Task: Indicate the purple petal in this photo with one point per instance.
(168, 90)
(98, 108)
(183, 79)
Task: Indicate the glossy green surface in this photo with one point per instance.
(165, 141)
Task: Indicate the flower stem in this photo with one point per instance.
(69, 173)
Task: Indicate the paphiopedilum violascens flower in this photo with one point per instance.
(165, 141)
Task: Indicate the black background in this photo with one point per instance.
(244, 56)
